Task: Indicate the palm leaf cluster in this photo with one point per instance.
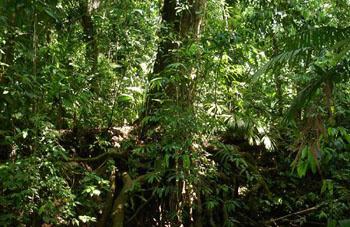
(309, 49)
(327, 78)
(322, 51)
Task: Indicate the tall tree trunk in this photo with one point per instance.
(185, 27)
(8, 56)
(90, 38)
(179, 30)
(5, 69)
(198, 211)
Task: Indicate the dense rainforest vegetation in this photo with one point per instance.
(174, 113)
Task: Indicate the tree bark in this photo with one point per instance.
(119, 203)
(198, 211)
(90, 38)
(184, 27)
(124, 195)
(9, 49)
(109, 202)
(180, 29)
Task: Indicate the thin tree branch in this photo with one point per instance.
(297, 213)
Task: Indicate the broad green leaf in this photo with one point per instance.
(126, 98)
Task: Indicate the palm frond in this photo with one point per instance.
(333, 75)
(304, 45)
(317, 38)
(281, 60)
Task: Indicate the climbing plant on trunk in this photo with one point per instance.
(169, 105)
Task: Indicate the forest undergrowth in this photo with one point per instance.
(174, 113)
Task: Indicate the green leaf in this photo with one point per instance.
(51, 14)
(186, 161)
(136, 89)
(75, 221)
(86, 219)
(344, 223)
(312, 162)
(4, 64)
(304, 152)
(302, 167)
(25, 133)
(331, 223)
(166, 159)
(68, 102)
(41, 209)
(342, 131)
(126, 98)
(115, 66)
(347, 137)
